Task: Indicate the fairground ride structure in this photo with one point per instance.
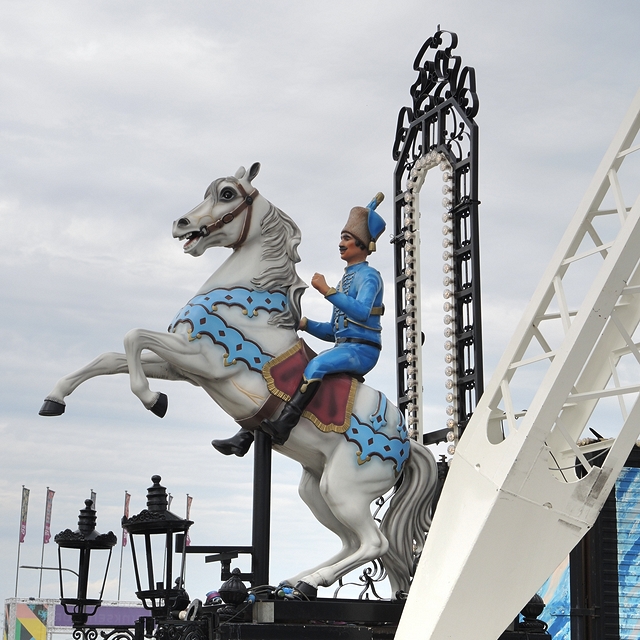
(515, 503)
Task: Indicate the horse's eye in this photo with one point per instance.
(227, 194)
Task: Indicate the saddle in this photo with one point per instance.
(330, 409)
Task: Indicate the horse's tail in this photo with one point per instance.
(407, 521)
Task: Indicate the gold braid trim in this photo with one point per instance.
(266, 370)
(337, 428)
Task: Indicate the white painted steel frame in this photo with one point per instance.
(513, 507)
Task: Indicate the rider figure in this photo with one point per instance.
(354, 327)
(355, 322)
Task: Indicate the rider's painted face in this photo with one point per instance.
(350, 252)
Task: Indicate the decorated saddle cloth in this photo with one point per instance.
(331, 407)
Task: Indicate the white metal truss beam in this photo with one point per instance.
(513, 505)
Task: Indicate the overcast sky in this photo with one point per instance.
(116, 116)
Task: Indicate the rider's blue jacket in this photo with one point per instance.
(355, 326)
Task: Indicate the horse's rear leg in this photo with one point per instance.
(349, 490)
(372, 545)
(310, 493)
(105, 364)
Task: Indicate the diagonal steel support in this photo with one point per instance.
(513, 505)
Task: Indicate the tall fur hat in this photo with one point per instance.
(365, 225)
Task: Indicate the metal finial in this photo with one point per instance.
(157, 499)
(87, 520)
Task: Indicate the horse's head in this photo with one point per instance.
(224, 218)
(234, 215)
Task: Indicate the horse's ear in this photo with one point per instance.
(254, 171)
(240, 173)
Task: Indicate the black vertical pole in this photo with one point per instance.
(261, 532)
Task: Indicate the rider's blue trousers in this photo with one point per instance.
(358, 359)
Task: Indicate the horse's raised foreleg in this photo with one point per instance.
(175, 349)
(106, 364)
(310, 493)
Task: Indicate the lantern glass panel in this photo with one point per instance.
(83, 585)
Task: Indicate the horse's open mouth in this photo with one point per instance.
(191, 238)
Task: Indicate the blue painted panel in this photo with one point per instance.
(556, 595)
(555, 591)
(628, 522)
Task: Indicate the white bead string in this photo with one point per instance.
(413, 342)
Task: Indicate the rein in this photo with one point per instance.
(230, 216)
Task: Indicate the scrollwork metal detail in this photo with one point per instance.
(438, 130)
(110, 633)
(84, 633)
(120, 633)
(373, 574)
(192, 630)
(444, 77)
(380, 502)
(440, 79)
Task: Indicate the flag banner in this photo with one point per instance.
(127, 497)
(187, 539)
(169, 501)
(23, 513)
(47, 517)
(93, 500)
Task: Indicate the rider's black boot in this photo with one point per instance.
(280, 428)
(238, 444)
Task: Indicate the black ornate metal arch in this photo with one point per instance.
(438, 130)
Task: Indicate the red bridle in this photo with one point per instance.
(230, 216)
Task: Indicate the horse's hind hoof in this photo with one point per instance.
(159, 407)
(309, 592)
(52, 408)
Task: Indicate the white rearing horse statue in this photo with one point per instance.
(246, 313)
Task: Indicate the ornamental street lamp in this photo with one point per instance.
(157, 526)
(85, 540)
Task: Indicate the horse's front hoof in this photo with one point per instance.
(52, 408)
(309, 592)
(159, 407)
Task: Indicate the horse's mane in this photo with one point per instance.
(280, 239)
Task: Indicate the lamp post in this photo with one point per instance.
(155, 528)
(84, 540)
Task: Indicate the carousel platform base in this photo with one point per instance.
(303, 632)
(321, 619)
(300, 620)
(330, 619)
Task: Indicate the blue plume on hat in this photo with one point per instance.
(375, 221)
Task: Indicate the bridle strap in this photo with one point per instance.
(248, 201)
(230, 216)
